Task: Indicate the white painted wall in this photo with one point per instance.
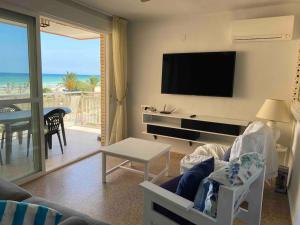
(263, 69)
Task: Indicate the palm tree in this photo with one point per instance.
(70, 81)
(93, 82)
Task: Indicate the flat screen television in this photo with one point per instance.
(205, 73)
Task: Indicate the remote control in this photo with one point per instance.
(193, 116)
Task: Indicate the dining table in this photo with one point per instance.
(10, 118)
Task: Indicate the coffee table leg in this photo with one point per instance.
(146, 172)
(168, 158)
(103, 167)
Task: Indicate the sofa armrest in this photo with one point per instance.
(167, 196)
(10, 191)
(74, 220)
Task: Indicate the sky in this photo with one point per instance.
(59, 54)
(13, 49)
(62, 54)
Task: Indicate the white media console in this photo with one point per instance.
(200, 129)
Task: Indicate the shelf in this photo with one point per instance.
(201, 140)
(164, 124)
(174, 125)
(200, 129)
(201, 118)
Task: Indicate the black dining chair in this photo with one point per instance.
(53, 121)
(15, 127)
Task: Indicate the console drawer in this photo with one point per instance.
(173, 132)
(210, 127)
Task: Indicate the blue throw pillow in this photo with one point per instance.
(172, 184)
(12, 212)
(189, 182)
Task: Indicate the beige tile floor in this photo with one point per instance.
(81, 142)
(120, 200)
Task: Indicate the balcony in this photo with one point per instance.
(82, 127)
(85, 107)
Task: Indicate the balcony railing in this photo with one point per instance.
(85, 106)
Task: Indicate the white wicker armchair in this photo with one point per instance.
(226, 213)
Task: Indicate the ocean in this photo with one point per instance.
(49, 80)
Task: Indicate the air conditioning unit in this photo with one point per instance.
(263, 29)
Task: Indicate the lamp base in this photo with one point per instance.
(275, 130)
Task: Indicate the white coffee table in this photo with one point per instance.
(137, 150)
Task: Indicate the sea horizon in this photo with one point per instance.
(48, 79)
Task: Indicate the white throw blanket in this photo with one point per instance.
(258, 137)
(203, 153)
(213, 150)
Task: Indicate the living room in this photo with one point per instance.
(265, 71)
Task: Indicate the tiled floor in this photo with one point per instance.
(120, 200)
(81, 142)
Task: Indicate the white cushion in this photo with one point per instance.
(215, 150)
(203, 153)
(189, 161)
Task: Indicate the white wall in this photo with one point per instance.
(263, 69)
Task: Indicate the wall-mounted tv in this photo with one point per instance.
(203, 73)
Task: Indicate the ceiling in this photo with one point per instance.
(135, 9)
(68, 30)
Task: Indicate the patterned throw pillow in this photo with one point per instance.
(199, 202)
(240, 170)
(211, 201)
(21, 213)
(237, 172)
(206, 199)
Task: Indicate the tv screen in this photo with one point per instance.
(206, 73)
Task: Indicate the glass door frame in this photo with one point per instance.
(36, 94)
(38, 78)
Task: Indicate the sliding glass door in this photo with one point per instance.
(21, 124)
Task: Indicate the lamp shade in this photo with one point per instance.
(274, 110)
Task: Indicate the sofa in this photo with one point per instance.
(10, 191)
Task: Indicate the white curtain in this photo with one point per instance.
(119, 51)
